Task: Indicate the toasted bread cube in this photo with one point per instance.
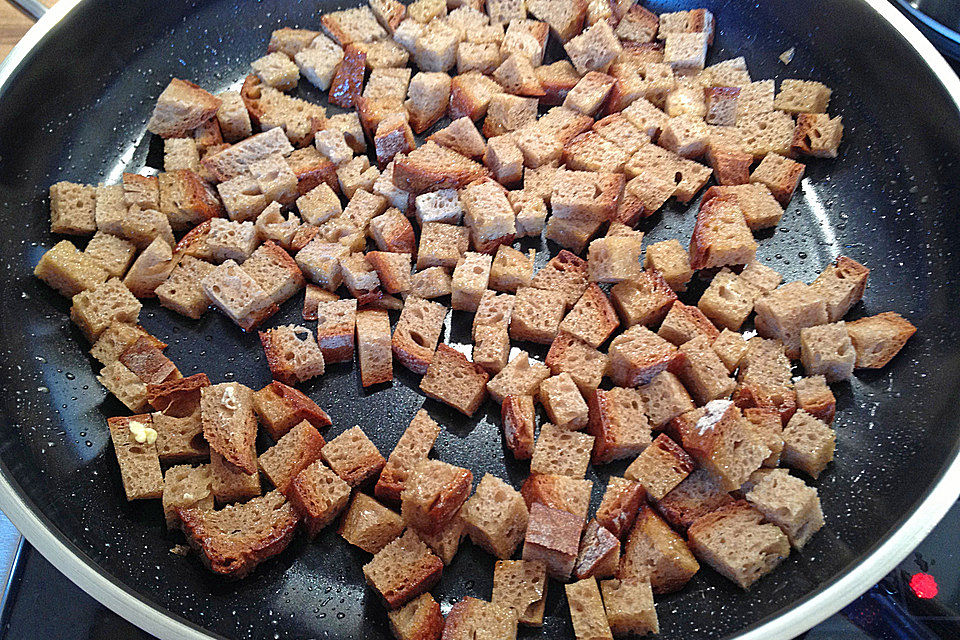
(618, 129)
(368, 524)
(136, 451)
(238, 295)
(511, 269)
(644, 300)
(684, 323)
(780, 175)
(537, 315)
(702, 371)
(318, 62)
(276, 70)
(461, 136)
(686, 177)
(417, 333)
(565, 273)
(721, 105)
(125, 385)
(419, 619)
(760, 209)
(531, 213)
(439, 206)
(150, 269)
(393, 232)
(685, 52)
(562, 400)
(229, 424)
(591, 152)
(656, 553)
(731, 347)
(384, 54)
(292, 353)
(593, 319)
(560, 451)
(432, 282)
(586, 365)
(768, 427)
(590, 93)
(483, 57)
(470, 280)
(352, 25)
(393, 136)
(661, 467)
(559, 492)
(147, 362)
(186, 487)
(518, 77)
(730, 165)
(116, 338)
(280, 408)
(436, 47)
(728, 300)
(817, 135)
(181, 108)
(521, 377)
(393, 270)
(721, 236)
(637, 355)
(685, 135)
(586, 609)
(765, 378)
(816, 398)
(618, 424)
(664, 398)
(599, 554)
(374, 347)
(433, 493)
(621, 502)
(355, 176)
(181, 154)
(802, 96)
(787, 310)
(470, 96)
(504, 159)
(446, 542)
(841, 285)
(538, 146)
(336, 321)
(519, 421)
(403, 569)
(788, 503)
(72, 208)
(471, 618)
(552, 537)
(808, 444)
(734, 542)
(110, 209)
(522, 586)
(295, 451)
(441, 245)
(595, 48)
(320, 262)
(231, 484)
(70, 271)
(698, 494)
(827, 350)
(390, 14)
(97, 308)
(494, 311)
(179, 439)
(614, 259)
(496, 517)
(629, 606)
(353, 457)
(413, 446)
(319, 205)
(319, 495)
(231, 240)
(454, 380)
(242, 198)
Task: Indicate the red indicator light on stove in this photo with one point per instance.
(923, 585)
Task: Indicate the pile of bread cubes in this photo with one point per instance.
(264, 195)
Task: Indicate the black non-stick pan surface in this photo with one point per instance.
(76, 110)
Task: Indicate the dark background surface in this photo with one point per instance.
(889, 201)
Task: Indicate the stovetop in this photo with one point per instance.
(917, 601)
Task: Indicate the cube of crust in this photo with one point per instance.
(462, 136)
(148, 363)
(591, 152)
(684, 323)
(181, 108)
(614, 259)
(439, 206)
(294, 452)
(393, 136)
(645, 300)
(728, 300)
(553, 537)
(788, 503)
(419, 619)
(95, 309)
(593, 319)
(661, 467)
(441, 245)
(511, 269)
(137, 454)
(586, 365)
(336, 323)
(367, 523)
(470, 279)
(520, 377)
(432, 282)
(229, 424)
(731, 347)
(428, 97)
(483, 57)
(68, 270)
(413, 446)
(817, 135)
(618, 424)
(734, 542)
(417, 333)
(537, 315)
(841, 285)
(561, 452)
(186, 487)
(586, 609)
(656, 553)
(784, 312)
(698, 494)
(393, 270)
(521, 585)
(559, 492)
(629, 606)
(816, 398)
(238, 295)
(721, 235)
(472, 618)
(808, 444)
(454, 380)
(433, 492)
(702, 371)
(519, 420)
(504, 160)
(231, 484)
(802, 96)
(280, 408)
(599, 554)
(403, 569)
(827, 350)
(352, 25)
(275, 271)
(563, 403)
(374, 347)
(619, 506)
(595, 48)
(353, 457)
(638, 354)
(565, 273)
(780, 175)
(496, 517)
(72, 208)
(590, 93)
(664, 398)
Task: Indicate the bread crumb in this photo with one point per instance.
(787, 56)
(180, 550)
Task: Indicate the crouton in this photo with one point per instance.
(617, 129)
(702, 371)
(519, 419)
(504, 160)
(134, 442)
(292, 353)
(638, 354)
(537, 315)
(319, 205)
(294, 452)
(181, 108)
(389, 13)
(419, 619)
(353, 457)
(483, 57)
(595, 48)
(520, 377)
(319, 496)
(841, 285)
(511, 269)
(185, 487)
(393, 270)
(758, 549)
(176, 397)
(234, 160)
(417, 332)
(586, 365)
(393, 137)
(684, 135)
(522, 586)
(728, 300)
(369, 525)
(721, 236)
(470, 280)
(784, 312)
(591, 152)
(493, 311)
(559, 492)
(231, 484)
(817, 135)
(454, 380)
(115, 339)
(697, 495)
(780, 175)
(352, 25)
(565, 273)
(660, 467)
(760, 209)
(281, 407)
(693, 21)
(656, 553)
(687, 176)
(275, 271)
(462, 136)
(384, 54)
(470, 618)
(614, 259)
(552, 537)
(731, 347)
(178, 154)
(428, 96)
(435, 49)
(433, 492)
(413, 446)
(68, 270)
(685, 52)
(802, 96)
(503, 11)
(629, 606)
(432, 167)
(229, 424)
(684, 323)
(403, 569)
(563, 402)
(618, 424)
(148, 363)
(559, 451)
(586, 609)
(432, 282)
(765, 378)
(788, 503)
(276, 70)
(664, 398)
(730, 165)
(496, 517)
(827, 350)
(125, 385)
(619, 506)
(877, 339)
(373, 347)
(96, 309)
(764, 133)
(72, 208)
(531, 213)
(238, 295)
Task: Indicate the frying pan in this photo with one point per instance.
(74, 99)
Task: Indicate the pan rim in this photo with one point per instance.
(154, 619)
